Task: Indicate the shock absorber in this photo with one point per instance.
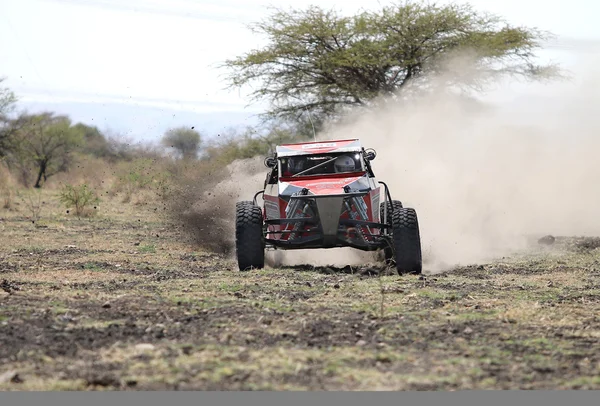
(292, 211)
(359, 214)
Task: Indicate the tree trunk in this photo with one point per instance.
(41, 173)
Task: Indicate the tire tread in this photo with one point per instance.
(249, 239)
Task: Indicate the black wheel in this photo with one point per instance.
(388, 252)
(249, 240)
(407, 241)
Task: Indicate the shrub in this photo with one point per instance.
(32, 200)
(133, 177)
(7, 188)
(80, 198)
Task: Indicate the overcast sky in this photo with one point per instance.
(163, 54)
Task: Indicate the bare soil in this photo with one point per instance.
(120, 302)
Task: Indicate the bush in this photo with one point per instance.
(134, 176)
(7, 188)
(80, 198)
(32, 200)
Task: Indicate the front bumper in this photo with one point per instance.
(317, 221)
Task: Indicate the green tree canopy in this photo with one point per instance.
(45, 141)
(321, 61)
(94, 142)
(186, 141)
(7, 100)
(7, 104)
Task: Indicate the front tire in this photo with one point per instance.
(249, 239)
(407, 241)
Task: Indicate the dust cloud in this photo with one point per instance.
(206, 206)
(487, 177)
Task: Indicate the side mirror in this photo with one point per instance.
(370, 154)
(270, 162)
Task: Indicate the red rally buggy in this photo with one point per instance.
(325, 195)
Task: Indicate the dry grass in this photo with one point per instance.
(122, 301)
(7, 188)
(95, 172)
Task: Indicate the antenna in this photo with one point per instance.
(311, 123)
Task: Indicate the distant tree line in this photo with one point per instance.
(35, 147)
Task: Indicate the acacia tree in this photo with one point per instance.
(318, 60)
(7, 99)
(94, 142)
(7, 103)
(44, 141)
(186, 141)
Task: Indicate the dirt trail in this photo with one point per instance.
(110, 314)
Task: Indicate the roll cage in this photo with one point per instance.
(315, 165)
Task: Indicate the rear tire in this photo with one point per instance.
(388, 251)
(249, 239)
(407, 241)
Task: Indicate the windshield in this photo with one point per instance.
(321, 164)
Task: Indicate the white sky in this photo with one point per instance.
(163, 53)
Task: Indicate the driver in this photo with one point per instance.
(344, 163)
(295, 165)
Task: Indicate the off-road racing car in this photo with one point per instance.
(325, 195)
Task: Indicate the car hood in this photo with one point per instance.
(324, 186)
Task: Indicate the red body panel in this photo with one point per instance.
(322, 147)
(325, 184)
(322, 185)
(277, 196)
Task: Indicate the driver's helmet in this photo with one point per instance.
(296, 165)
(344, 163)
